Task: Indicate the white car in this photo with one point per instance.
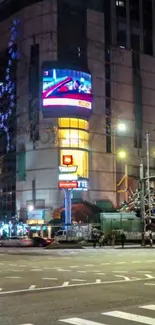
(16, 242)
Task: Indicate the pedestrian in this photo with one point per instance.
(101, 240)
(113, 239)
(123, 238)
(151, 239)
(94, 238)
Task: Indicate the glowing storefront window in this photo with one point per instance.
(73, 123)
(73, 138)
(80, 159)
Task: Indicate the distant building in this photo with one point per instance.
(113, 43)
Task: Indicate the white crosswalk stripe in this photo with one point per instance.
(149, 307)
(115, 315)
(79, 321)
(131, 317)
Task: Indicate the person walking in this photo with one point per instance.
(101, 240)
(94, 238)
(123, 238)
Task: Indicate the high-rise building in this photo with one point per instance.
(109, 48)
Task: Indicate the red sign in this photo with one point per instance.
(67, 160)
(68, 184)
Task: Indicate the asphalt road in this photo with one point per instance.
(81, 287)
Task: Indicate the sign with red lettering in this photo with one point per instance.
(67, 185)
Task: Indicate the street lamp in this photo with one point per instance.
(30, 208)
(121, 127)
(122, 154)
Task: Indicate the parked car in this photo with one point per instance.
(41, 242)
(16, 241)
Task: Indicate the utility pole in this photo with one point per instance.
(148, 171)
(142, 201)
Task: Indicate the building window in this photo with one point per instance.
(73, 123)
(80, 159)
(97, 5)
(73, 138)
(120, 3)
(147, 25)
(135, 25)
(121, 22)
(72, 33)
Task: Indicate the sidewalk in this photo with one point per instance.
(127, 246)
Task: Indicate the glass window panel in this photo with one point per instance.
(83, 135)
(81, 124)
(63, 122)
(73, 138)
(74, 123)
(86, 125)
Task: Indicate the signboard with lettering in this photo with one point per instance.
(67, 185)
(68, 169)
(68, 177)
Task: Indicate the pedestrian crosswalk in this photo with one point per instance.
(112, 317)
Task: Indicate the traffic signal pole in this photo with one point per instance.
(148, 172)
(142, 202)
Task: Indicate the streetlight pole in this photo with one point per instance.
(148, 171)
(142, 203)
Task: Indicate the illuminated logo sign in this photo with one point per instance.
(68, 185)
(82, 185)
(67, 169)
(67, 160)
(68, 177)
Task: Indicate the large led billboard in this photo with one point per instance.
(66, 92)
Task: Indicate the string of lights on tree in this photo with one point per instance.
(8, 88)
(134, 202)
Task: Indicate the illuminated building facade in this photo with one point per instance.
(110, 41)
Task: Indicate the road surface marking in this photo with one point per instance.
(150, 261)
(136, 262)
(37, 270)
(89, 265)
(149, 307)
(98, 273)
(32, 287)
(120, 271)
(70, 285)
(144, 272)
(26, 324)
(149, 284)
(80, 280)
(149, 276)
(65, 284)
(12, 264)
(73, 266)
(79, 321)
(98, 281)
(131, 317)
(1, 263)
(105, 263)
(13, 270)
(125, 277)
(121, 262)
(62, 270)
(13, 277)
(49, 278)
